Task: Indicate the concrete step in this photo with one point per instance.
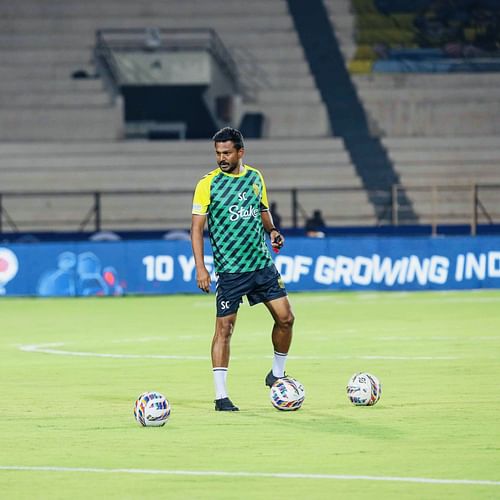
(39, 56)
(427, 80)
(457, 197)
(269, 147)
(306, 160)
(63, 10)
(344, 22)
(262, 81)
(455, 208)
(77, 124)
(435, 119)
(435, 95)
(339, 7)
(45, 74)
(452, 178)
(86, 40)
(437, 143)
(82, 22)
(287, 96)
(48, 85)
(446, 156)
(300, 120)
(58, 100)
(268, 54)
(144, 179)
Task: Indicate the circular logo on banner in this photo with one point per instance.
(8, 267)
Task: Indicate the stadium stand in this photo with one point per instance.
(448, 178)
(60, 131)
(440, 129)
(169, 165)
(429, 68)
(427, 105)
(41, 103)
(49, 41)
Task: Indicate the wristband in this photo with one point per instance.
(272, 229)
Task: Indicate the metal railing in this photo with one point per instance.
(28, 211)
(469, 203)
(111, 40)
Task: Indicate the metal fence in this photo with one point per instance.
(30, 211)
(436, 204)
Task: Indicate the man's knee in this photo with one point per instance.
(286, 320)
(225, 327)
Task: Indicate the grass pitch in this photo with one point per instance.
(70, 370)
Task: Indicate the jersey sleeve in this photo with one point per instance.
(201, 198)
(264, 204)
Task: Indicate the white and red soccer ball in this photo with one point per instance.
(152, 409)
(287, 394)
(364, 389)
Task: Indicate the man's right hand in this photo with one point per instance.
(203, 280)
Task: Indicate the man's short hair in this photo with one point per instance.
(230, 134)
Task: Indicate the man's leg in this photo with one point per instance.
(282, 314)
(224, 327)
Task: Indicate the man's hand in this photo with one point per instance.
(203, 279)
(277, 240)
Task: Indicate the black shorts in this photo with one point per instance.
(259, 286)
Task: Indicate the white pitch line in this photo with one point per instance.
(281, 475)
(48, 349)
(438, 338)
(58, 352)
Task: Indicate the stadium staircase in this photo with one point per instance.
(346, 113)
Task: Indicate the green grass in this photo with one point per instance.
(436, 354)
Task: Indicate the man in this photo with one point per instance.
(315, 225)
(233, 198)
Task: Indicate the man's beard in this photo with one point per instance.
(228, 167)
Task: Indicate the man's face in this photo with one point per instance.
(228, 157)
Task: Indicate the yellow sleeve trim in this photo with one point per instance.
(201, 198)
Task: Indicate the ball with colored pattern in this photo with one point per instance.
(364, 389)
(152, 409)
(287, 394)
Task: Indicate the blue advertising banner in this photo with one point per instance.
(162, 267)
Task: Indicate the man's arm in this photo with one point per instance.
(202, 275)
(277, 239)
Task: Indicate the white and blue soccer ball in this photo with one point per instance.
(152, 409)
(364, 389)
(287, 394)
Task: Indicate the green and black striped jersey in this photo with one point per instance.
(233, 203)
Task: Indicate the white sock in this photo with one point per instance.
(220, 375)
(279, 361)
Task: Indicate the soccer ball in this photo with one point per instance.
(364, 389)
(287, 394)
(152, 409)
